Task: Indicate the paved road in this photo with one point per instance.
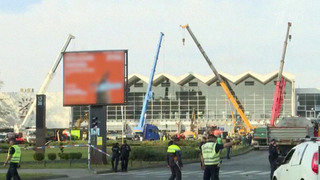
(253, 165)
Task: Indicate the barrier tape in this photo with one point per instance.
(65, 146)
(99, 150)
(75, 145)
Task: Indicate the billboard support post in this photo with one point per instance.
(89, 139)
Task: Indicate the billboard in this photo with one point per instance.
(94, 77)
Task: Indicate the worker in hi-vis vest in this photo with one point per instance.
(174, 160)
(210, 157)
(14, 156)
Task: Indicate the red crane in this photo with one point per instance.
(280, 85)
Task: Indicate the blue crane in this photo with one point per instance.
(149, 94)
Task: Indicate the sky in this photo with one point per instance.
(238, 36)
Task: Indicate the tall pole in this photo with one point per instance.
(122, 124)
(89, 139)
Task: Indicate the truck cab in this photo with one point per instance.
(150, 132)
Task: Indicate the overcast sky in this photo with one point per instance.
(238, 36)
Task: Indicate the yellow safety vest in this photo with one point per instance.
(17, 154)
(173, 148)
(209, 154)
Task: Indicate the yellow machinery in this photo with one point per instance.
(84, 118)
(227, 89)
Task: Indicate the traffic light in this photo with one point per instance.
(94, 122)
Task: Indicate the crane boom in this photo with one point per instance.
(280, 84)
(48, 78)
(222, 82)
(148, 94)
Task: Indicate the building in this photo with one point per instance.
(175, 98)
(308, 102)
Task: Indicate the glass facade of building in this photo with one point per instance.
(308, 102)
(174, 100)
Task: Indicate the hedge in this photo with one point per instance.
(38, 156)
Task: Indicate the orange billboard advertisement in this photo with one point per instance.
(94, 78)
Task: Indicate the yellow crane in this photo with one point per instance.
(227, 89)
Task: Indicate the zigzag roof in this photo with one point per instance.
(181, 80)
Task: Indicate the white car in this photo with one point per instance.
(301, 163)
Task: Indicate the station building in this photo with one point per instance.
(308, 102)
(176, 97)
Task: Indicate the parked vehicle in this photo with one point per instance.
(2, 138)
(31, 136)
(289, 131)
(112, 135)
(260, 137)
(150, 132)
(301, 162)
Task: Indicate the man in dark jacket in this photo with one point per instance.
(273, 156)
(115, 156)
(125, 152)
(174, 160)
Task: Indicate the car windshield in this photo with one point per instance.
(2, 136)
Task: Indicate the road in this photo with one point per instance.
(253, 165)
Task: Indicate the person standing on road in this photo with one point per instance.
(249, 139)
(203, 141)
(273, 156)
(211, 157)
(125, 152)
(228, 148)
(115, 156)
(14, 156)
(174, 160)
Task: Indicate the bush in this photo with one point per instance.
(75, 155)
(64, 156)
(52, 156)
(38, 156)
(190, 152)
(78, 155)
(4, 148)
(148, 154)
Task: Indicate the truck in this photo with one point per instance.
(150, 132)
(259, 138)
(289, 131)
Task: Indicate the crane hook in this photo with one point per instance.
(183, 40)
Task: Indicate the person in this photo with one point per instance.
(219, 140)
(115, 156)
(273, 156)
(125, 152)
(164, 137)
(211, 157)
(174, 160)
(249, 139)
(228, 148)
(203, 141)
(14, 156)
